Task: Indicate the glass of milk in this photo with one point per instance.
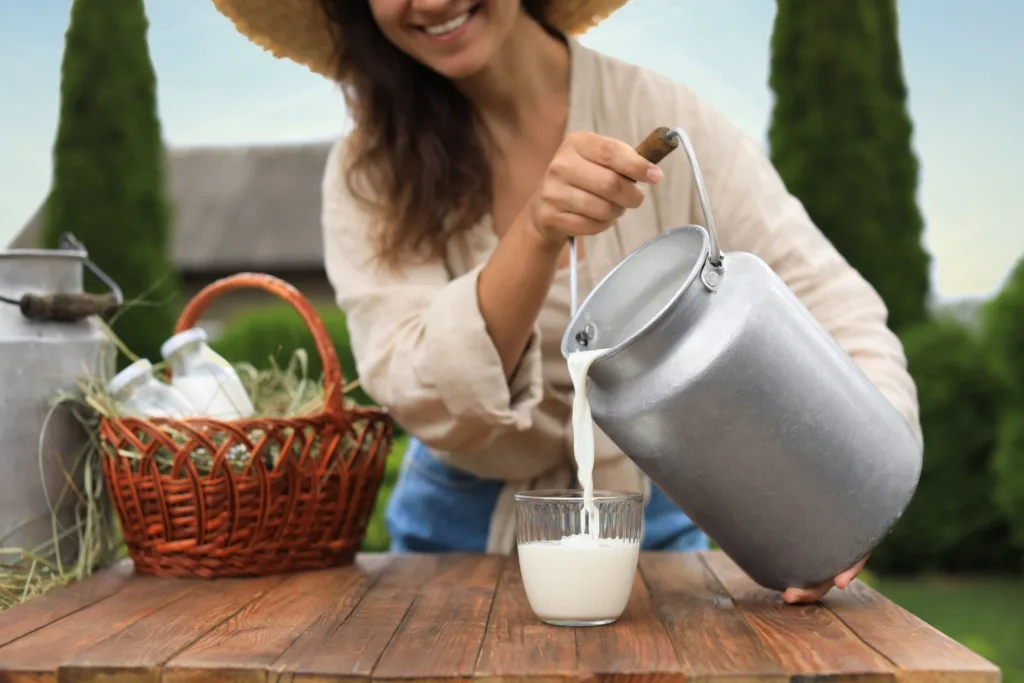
(578, 554)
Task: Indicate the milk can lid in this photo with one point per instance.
(182, 339)
(136, 370)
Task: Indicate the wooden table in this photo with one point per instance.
(437, 618)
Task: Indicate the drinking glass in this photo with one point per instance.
(572, 576)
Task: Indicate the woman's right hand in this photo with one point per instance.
(590, 182)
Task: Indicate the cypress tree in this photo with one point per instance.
(108, 184)
(840, 138)
(903, 167)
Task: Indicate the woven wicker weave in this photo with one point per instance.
(308, 510)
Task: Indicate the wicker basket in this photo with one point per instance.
(307, 509)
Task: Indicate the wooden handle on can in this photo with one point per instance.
(658, 145)
(67, 307)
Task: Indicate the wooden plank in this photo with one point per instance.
(922, 653)
(517, 644)
(243, 648)
(634, 649)
(30, 616)
(442, 633)
(809, 641)
(138, 653)
(710, 636)
(37, 656)
(351, 650)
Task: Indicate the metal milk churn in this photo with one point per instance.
(49, 340)
(724, 390)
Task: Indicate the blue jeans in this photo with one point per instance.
(436, 508)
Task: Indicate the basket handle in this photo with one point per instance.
(333, 377)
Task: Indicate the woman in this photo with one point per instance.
(484, 138)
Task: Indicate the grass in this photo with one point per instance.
(377, 539)
(985, 614)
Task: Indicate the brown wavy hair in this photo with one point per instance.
(417, 160)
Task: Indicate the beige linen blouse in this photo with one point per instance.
(419, 339)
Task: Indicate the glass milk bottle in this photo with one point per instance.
(204, 377)
(137, 392)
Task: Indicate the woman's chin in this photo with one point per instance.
(462, 66)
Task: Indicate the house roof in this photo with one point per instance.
(239, 208)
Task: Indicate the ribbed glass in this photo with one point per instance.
(581, 580)
(550, 515)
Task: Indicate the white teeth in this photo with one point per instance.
(448, 26)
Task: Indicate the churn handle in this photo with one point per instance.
(655, 147)
(69, 241)
(714, 251)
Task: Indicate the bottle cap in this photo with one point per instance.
(133, 372)
(181, 340)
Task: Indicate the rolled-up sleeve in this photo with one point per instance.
(755, 212)
(421, 345)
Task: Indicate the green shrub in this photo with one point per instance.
(1004, 333)
(953, 523)
(377, 538)
(256, 335)
(1004, 330)
(1009, 467)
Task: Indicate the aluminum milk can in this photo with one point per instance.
(724, 389)
(48, 342)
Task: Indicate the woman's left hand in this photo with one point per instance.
(815, 593)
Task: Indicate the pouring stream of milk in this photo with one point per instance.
(583, 436)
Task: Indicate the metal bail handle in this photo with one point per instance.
(655, 147)
(69, 241)
(714, 252)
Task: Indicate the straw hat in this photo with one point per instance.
(297, 30)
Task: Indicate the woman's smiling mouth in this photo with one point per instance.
(449, 28)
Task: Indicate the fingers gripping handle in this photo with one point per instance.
(655, 147)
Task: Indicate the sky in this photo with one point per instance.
(964, 63)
